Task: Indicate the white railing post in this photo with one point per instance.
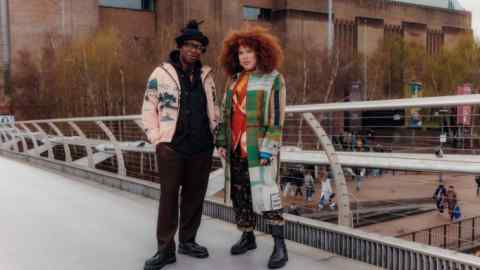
(3, 135)
(139, 123)
(80, 133)
(120, 160)
(28, 131)
(24, 142)
(12, 138)
(5, 138)
(344, 212)
(47, 141)
(68, 154)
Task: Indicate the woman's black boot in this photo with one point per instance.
(279, 255)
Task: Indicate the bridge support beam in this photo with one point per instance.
(344, 211)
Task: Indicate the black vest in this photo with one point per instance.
(192, 135)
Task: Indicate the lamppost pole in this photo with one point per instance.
(365, 62)
(330, 27)
(5, 48)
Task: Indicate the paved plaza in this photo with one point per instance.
(406, 186)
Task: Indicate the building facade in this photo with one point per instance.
(359, 25)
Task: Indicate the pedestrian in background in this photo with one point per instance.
(326, 191)
(359, 172)
(439, 197)
(451, 200)
(477, 180)
(309, 185)
(299, 181)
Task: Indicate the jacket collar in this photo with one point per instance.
(174, 59)
(169, 68)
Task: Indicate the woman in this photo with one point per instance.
(250, 135)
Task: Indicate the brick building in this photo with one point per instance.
(359, 25)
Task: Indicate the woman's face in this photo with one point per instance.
(247, 58)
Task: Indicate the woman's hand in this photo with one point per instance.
(222, 152)
(264, 162)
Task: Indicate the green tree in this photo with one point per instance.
(444, 72)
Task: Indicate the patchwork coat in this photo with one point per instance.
(265, 106)
(161, 103)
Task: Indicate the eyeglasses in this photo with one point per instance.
(194, 46)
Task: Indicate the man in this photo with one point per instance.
(439, 196)
(309, 185)
(179, 117)
(299, 179)
(359, 172)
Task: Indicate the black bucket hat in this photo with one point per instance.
(192, 32)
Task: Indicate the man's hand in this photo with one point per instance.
(222, 152)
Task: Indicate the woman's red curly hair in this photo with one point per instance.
(267, 49)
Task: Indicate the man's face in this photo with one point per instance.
(191, 51)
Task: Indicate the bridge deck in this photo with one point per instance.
(50, 221)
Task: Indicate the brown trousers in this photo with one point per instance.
(190, 173)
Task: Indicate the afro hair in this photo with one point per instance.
(266, 47)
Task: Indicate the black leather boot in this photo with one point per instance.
(246, 243)
(193, 249)
(160, 259)
(279, 255)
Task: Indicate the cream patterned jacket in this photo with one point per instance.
(162, 102)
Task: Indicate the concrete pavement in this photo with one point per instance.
(54, 222)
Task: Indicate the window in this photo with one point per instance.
(148, 5)
(257, 14)
(131, 4)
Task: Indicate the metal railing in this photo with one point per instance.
(385, 252)
(460, 235)
(117, 145)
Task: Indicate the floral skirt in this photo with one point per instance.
(241, 196)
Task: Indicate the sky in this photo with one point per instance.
(474, 7)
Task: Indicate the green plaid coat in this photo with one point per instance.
(265, 105)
